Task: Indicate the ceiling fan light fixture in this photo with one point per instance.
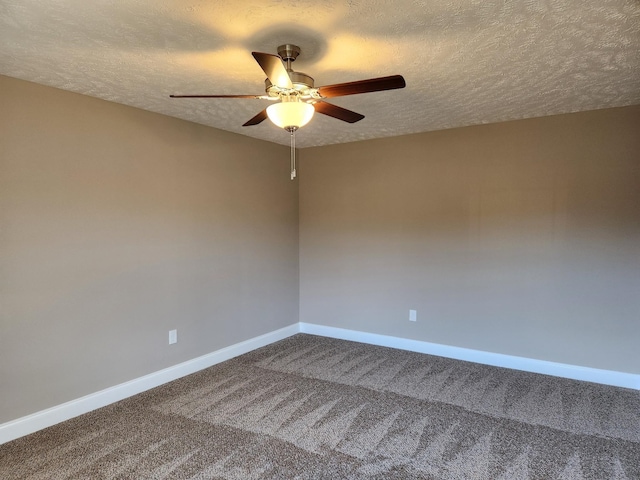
(290, 115)
(296, 89)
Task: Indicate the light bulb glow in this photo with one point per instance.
(290, 114)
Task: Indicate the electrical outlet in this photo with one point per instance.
(173, 336)
(413, 315)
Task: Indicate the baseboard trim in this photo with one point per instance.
(46, 418)
(606, 377)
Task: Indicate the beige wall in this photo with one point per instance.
(117, 225)
(520, 238)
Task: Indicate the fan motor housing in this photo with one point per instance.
(301, 82)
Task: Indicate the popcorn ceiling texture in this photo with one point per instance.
(465, 62)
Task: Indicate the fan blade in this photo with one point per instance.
(362, 86)
(337, 112)
(274, 68)
(217, 96)
(259, 118)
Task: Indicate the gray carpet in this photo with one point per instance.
(317, 408)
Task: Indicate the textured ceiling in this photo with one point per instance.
(465, 62)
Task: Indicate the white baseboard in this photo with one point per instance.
(45, 418)
(606, 377)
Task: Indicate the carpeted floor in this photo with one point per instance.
(317, 408)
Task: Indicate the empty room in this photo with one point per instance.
(319, 240)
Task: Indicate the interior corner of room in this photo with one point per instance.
(514, 241)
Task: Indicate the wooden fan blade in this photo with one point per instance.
(216, 96)
(362, 86)
(274, 68)
(259, 118)
(337, 112)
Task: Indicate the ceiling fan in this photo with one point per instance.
(297, 97)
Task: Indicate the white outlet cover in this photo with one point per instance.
(173, 336)
(413, 315)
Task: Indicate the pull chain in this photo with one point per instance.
(293, 154)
